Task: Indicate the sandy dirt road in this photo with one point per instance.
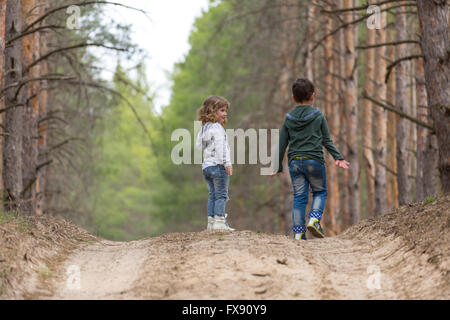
(249, 265)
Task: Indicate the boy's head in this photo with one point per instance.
(303, 91)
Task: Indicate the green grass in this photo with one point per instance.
(88, 241)
(429, 199)
(8, 216)
(4, 273)
(45, 272)
(14, 216)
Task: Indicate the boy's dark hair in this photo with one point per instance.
(302, 89)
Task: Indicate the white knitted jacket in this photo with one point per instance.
(213, 141)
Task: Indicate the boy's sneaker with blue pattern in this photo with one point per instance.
(300, 236)
(315, 228)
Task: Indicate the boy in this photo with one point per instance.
(305, 130)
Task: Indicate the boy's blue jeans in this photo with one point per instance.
(305, 173)
(217, 179)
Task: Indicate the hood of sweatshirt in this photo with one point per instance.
(301, 116)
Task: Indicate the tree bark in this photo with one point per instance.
(381, 121)
(12, 152)
(427, 176)
(334, 124)
(287, 58)
(30, 45)
(2, 105)
(368, 156)
(391, 159)
(343, 142)
(433, 17)
(310, 20)
(422, 114)
(351, 103)
(427, 149)
(330, 221)
(41, 173)
(401, 102)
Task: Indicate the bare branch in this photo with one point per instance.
(354, 22)
(26, 80)
(80, 45)
(394, 43)
(23, 34)
(396, 111)
(130, 105)
(41, 165)
(83, 3)
(364, 7)
(393, 64)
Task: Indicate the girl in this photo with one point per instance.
(216, 166)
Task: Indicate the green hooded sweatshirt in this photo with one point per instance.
(305, 130)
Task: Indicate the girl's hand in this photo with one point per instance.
(229, 170)
(342, 164)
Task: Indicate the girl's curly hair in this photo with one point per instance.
(209, 108)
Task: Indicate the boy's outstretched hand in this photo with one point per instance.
(342, 164)
(275, 174)
(229, 170)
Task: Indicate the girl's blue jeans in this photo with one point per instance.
(305, 173)
(217, 179)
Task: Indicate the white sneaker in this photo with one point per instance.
(220, 223)
(210, 223)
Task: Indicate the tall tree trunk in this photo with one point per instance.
(330, 220)
(391, 159)
(12, 152)
(30, 151)
(431, 178)
(2, 105)
(41, 171)
(351, 103)
(381, 121)
(287, 60)
(343, 141)
(369, 165)
(433, 16)
(422, 114)
(310, 22)
(334, 123)
(401, 102)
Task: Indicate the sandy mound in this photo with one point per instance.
(31, 249)
(401, 255)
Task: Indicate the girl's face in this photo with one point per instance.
(222, 115)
